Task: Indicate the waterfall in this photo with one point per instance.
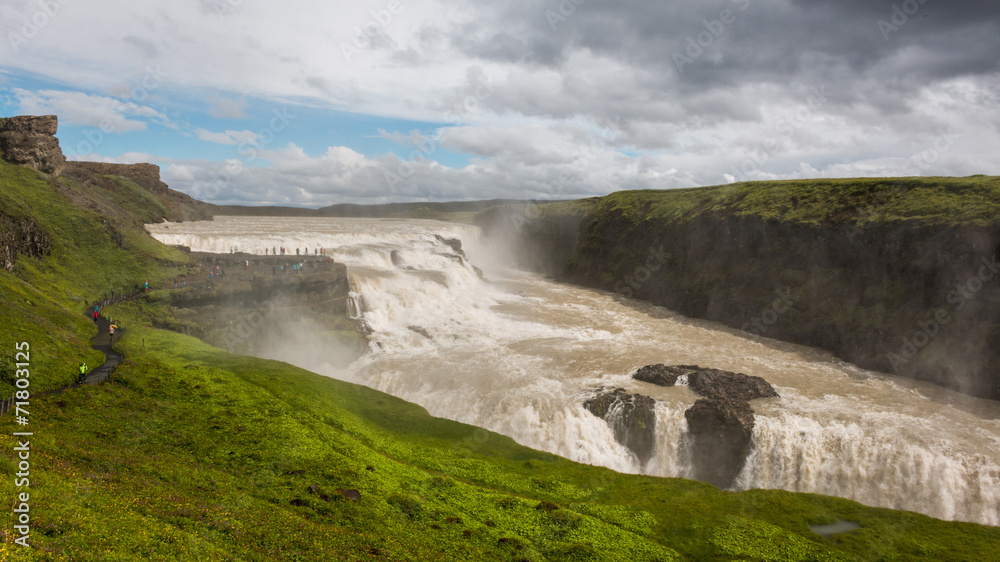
(519, 355)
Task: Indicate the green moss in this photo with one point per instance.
(858, 201)
(757, 540)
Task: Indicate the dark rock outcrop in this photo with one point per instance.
(632, 417)
(720, 431)
(27, 140)
(663, 375)
(721, 424)
(145, 175)
(710, 383)
(349, 494)
(724, 385)
(21, 237)
(253, 305)
(454, 243)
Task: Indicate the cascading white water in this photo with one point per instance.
(519, 355)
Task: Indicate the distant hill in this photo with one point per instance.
(421, 209)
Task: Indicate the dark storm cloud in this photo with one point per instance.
(860, 45)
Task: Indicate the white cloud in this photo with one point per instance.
(527, 101)
(78, 108)
(229, 109)
(227, 137)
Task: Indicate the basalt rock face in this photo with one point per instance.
(21, 237)
(715, 384)
(663, 375)
(178, 206)
(721, 424)
(30, 141)
(916, 299)
(252, 303)
(721, 432)
(632, 417)
(731, 387)
(146, 175)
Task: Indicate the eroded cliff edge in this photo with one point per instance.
(896, 275)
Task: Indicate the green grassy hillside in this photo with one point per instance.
(969, 201)
(193, 453)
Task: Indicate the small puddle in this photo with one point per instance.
(841, 526)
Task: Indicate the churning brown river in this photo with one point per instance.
(518, 354)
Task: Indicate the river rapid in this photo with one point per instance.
(518, 354)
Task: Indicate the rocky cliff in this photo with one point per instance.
(21, 236)
(900, 276)
(30, 141)
(255, 302)
(146, 175)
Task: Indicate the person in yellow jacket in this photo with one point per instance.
(83, 372)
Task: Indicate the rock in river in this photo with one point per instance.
(632, 417)
(720, 432)
(720, 424)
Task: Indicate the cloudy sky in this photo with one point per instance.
(310, 103)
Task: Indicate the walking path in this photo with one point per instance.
(103, 342)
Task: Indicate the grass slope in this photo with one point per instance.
(198, 454)
(968, 201)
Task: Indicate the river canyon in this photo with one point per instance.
(460, 332)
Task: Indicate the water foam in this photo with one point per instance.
(520, 356)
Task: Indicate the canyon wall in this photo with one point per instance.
(146, 175)
(890, 275)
